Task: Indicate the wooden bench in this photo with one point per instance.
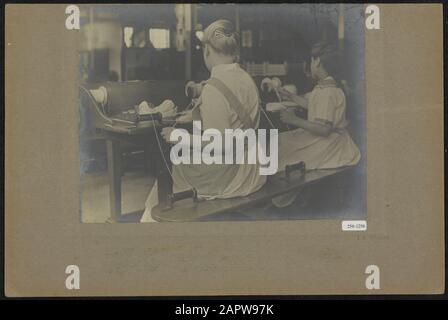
(189, 210)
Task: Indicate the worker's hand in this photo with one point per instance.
(288, 116)
(193, 89)
(166, 133)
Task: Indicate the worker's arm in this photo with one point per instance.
(317, 128)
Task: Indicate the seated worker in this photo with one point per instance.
(322, 140)
(216, 110)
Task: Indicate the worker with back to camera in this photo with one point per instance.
(217, 110)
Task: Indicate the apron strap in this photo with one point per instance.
(233, 101)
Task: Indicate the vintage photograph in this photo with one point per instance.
(207, 150)
(222, 112)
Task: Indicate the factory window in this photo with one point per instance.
(128, 32)
(160, 38)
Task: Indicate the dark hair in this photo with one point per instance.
(328, 55)
(223, 38)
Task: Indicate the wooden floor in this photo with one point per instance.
(95, 196)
